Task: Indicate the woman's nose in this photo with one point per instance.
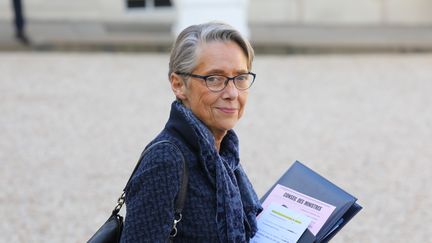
(230, 91)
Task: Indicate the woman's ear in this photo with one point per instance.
(178, 86)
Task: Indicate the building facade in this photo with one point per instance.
(306, 12)
(276, 26)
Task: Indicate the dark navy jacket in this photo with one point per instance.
(151, 194)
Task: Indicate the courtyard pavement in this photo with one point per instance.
(72, 126)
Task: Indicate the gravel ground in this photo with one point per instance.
(73, 125)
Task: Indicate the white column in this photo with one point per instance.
(232, 12)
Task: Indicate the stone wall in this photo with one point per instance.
(84, 10)
(342, 12)
(309, 12)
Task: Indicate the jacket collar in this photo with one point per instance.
(178, 125)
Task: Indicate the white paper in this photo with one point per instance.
(313, 208)
(280, 224)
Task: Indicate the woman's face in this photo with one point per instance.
(221, 110)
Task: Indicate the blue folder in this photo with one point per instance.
(304, 180)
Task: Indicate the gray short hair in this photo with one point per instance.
(184, 52)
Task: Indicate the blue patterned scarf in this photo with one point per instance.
(237, 202)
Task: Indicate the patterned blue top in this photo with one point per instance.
(221, 204)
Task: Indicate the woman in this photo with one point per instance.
(209, 71)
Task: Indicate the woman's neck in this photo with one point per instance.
(218, 136)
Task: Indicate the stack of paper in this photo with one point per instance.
(301, 193)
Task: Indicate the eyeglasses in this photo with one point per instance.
(217, 83)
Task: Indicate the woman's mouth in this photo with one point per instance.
(227, 110)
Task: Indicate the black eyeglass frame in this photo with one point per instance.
(225, 83)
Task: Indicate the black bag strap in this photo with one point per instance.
(181, 197)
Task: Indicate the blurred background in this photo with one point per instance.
(279, 26)
(343, 86)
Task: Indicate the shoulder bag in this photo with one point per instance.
(110, 231)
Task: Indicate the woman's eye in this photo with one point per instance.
(215, 79)
(242, 77)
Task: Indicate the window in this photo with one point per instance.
(162, 3)
(136, 4)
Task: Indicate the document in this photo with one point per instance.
(303, 190)
(280, 224)
(313, 208)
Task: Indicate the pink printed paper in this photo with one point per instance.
(315, 209)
